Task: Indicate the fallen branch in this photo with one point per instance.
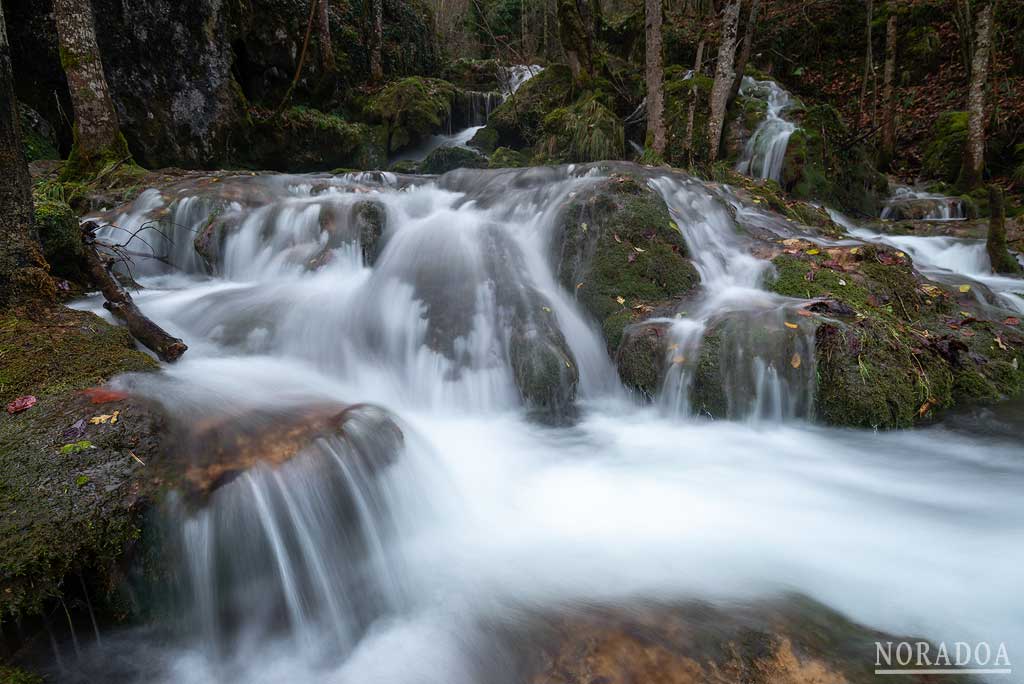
(120, 303)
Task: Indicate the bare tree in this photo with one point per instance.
(326, 48)
(869, 66)
(377, 41)
(889, 126)
(655, 79)
(748, 46)
(725, 71)
(98, 138)
(974, 155)
(23, 271)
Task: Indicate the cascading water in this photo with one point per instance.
(766, 150)
(371, 558)
(908, 203)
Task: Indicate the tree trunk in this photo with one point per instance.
(377, 42)
(576, 33)
(724, 73)
(1000, 257)
(23, 271)
(888, 151)
(868, 60)
(98, 139)
(692, 109)
(748, 46)
(974, 155)
(655, 80)
(326, 48)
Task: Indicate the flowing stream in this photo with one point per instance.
(385, 560)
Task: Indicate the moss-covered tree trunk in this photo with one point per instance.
(745, 49)
(725, 71)
(576, 33)
(974, 154)
(888, 150)
(1000, 257)
(98, 138)
(377, 41)
(324, 28)
(868, 58)
(655, 79)
(23, 271)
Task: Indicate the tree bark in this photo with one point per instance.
(120, 303)
(23, 271)
(326, 47)
(974, 155)
(576, 33)
(98, 137)
(692, 109)
(724, 73)
(377, 42)
(655, 79)
(999, 256)
(745, 50)
(868, 59)
(888, 151)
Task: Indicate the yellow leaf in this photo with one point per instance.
(579, 285)
(673, 346)
(855, 250)
(113, 418)
(620, 299)
(965, 288)
(584, 227)
(794, 326)
(812, 252)
(639, 250)
(795, 361)
(100, 420)
(757, 201)
(965, 314)
(672, 225)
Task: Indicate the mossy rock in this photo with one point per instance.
(506, 158)
(585, 131)
(37, 136)
(485, 140)
(620, 252)
(302, 139)
(518, 121)
(679, 94)
(641, 353)
(411, 109)
(13, 675)
(944, 153)
(473, 74)
(447, 158)
(61, 237)
(66, 510)
(905, 348)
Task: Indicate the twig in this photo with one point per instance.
(302, 60)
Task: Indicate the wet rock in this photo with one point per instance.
(302, 139)
(505, 158)
(57, 224)
(485, 140)
(411, 109)
(446, 158)
(545, 372)
(616, 241)
(519, 120)
(641, 357)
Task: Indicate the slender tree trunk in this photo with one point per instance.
(98, 139)
(324, 27)
(748, 46)
(23, 271)
(377, 42)
(888, 151)
(868, 60)
(692, 109)
(655, 79)
(576, 33)
(974, 155)
(999, 256)
(724, 73)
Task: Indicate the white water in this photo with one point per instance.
(926, 206)
(766, 150)
(406, 573)
(460, 138)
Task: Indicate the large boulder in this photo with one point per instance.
(519, 120)
(446, 158)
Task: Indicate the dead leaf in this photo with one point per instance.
(967, 332)
(794, 326)
(579, 285)
(926, 407)
(132, 454)
(641, 251)
(795, 361)
(842, 282)
(631, 257)
(616, 237)
(965, 288)
(101, 419)
(1011, 320)
(620, 299)
(1002, 345)
(931, 290)
(102, 395)
(804, 312)
(21, 404)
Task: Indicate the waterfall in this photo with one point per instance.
(908, 203)
(765, 152)
(404, 545)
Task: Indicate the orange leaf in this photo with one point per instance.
(102, 395)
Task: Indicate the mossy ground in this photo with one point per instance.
(65, 509)
(911, 346)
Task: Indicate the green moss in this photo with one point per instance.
(412, 108)
(518, 121)
(505, 158)
(75, 447)
(13, 675)
(707, 393)
(485, 140)
(61, 237)
(583, 132)
(306, 139)
(639, 361)
(679, 95)
(942, 156)
(614, 326)
(444, 159)
(49, 356)
(85, 165)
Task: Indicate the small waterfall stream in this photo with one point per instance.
(908, 203)
(766, 150)
(379, 558)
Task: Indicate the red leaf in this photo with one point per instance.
(21, 404)
(102, 395)
(1011, 320)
